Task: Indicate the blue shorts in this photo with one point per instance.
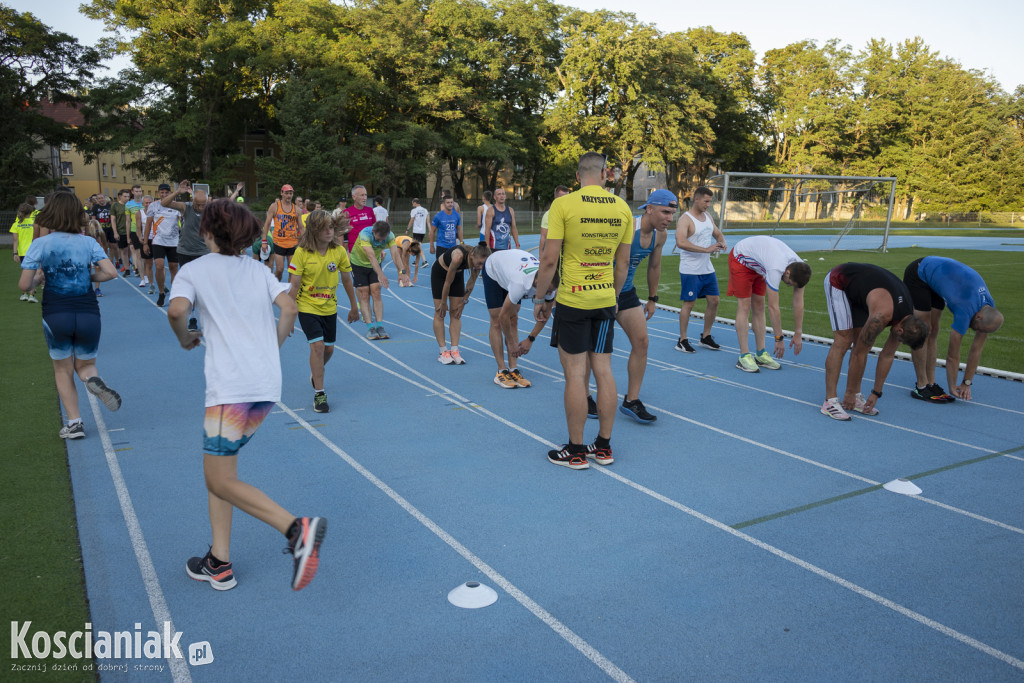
(226, 428)
(693, 287)
(72, 334)
(494, 293)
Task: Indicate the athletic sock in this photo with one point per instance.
(293, 529)
(76, 421)
(575, 447)
(602, 442)
(370, 326)
(318, 392)
(215, 563)
(760, 352)
(454, 349)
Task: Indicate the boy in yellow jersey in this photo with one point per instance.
(592, 231)
(320, 260)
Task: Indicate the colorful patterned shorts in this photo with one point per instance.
(227, 428)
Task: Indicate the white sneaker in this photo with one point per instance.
(834, 409)
(24, 297)
(144, 282)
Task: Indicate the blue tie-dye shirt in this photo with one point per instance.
(67, 260)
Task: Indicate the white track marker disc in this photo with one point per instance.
(472, 595)
(904, 486)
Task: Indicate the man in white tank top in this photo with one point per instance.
(697, 238)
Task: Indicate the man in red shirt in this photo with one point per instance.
(359, 215)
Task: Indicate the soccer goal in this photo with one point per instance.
(854, 210)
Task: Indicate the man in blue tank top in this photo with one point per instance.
(935, 282)
(500, 224)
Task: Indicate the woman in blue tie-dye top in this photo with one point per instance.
(71, 262)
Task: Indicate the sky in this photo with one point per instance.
(980, 37)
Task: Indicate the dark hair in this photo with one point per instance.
(562, 188)
(378, 200)
(915, 332)
(24, 211)
(30, 200)
(591, 164)
(416, 200)
(702, 191)
(62, 213)
(415, 248)
(381, 227)
(799, 273)
(232, 227)
(310, 205)
(488, 195)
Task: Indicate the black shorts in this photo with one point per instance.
(418, 237)
(629, 299)
(147, 255)
(437, 278)
(494, 294)
(134, 239)
(363, 276)
(924, 297)
(108, 232)
(578, 330)
(186, 258)
(122, 241)
(322, 328)
(159, 251)
(284, 251)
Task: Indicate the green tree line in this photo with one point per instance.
(389, 92)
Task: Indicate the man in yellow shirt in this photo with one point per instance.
(592, 231)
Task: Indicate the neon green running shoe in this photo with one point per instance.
(746, 363)
(766, 361)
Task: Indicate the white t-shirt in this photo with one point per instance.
(165, 222)
(515, 271)
(380, 213)
(419, 216)
(766, 256)
(698, 262)
(233, 296)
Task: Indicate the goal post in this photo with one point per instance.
(853, 210)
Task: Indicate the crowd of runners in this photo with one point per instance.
(222, 271)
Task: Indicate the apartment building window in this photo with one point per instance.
(104, 170)
(67, 168)
(113, 171)
(259, 151)
(651, 173)
(65, 146)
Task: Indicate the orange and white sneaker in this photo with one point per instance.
(221, 577)
(445, 357)
(519, 379)
(505, 380)
(304, 544)
(457, 358)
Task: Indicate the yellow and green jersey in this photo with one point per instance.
(318, 291)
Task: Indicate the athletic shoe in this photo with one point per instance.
(834, 409)
(861, 406)
(167, 290)
(32, 300)
(591, 408)
(457, 358)
(193, 325)
(371, 333)
(24, 297)
(381, 334)
(75, 431)
(98, 292)
(636, 410)
(928, 393)
(505, 380)
(684, 346)
(939, 394)
(320, 403)
(143, 282)
(765, 360)
(160, 300)
(151, 290)
(110, 398)
(201, 569)
(746, 363)
(602, 456)
(445, 357)
(518, 377)
(564, 457)
(304, 545)
(709, 343)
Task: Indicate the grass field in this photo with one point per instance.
(1000, 269)
(42, 561)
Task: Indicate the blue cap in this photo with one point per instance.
(661, 198)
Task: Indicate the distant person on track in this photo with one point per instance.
(369, 278)
(234, 298)
(71, 262)
(862, 300)
(409, 250)
(451, 293)
(935, 282)
(418, 219)
(22, 229)
(697, 238)
(500, 230)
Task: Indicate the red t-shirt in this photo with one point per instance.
(358, 219)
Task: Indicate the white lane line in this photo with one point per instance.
(157, 603)
(519, 596)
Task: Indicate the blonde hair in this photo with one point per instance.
(319, 221)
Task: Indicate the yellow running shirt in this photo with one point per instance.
(318, 291)
(592, 223)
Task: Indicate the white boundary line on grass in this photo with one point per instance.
(157, 603)
(803, 564)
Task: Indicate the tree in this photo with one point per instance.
(36, 64)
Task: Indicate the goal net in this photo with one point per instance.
(830, 212)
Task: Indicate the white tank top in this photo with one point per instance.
(698, 263)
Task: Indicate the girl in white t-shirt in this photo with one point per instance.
(234, 299)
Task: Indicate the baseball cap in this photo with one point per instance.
(164, 186)
(240, 200)
(287, 188)
(661, 198)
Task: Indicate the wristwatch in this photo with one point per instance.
(878, 394)
(653, 298)
(780, 337)
(968, 382)
(531, 338)
(401, 272)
